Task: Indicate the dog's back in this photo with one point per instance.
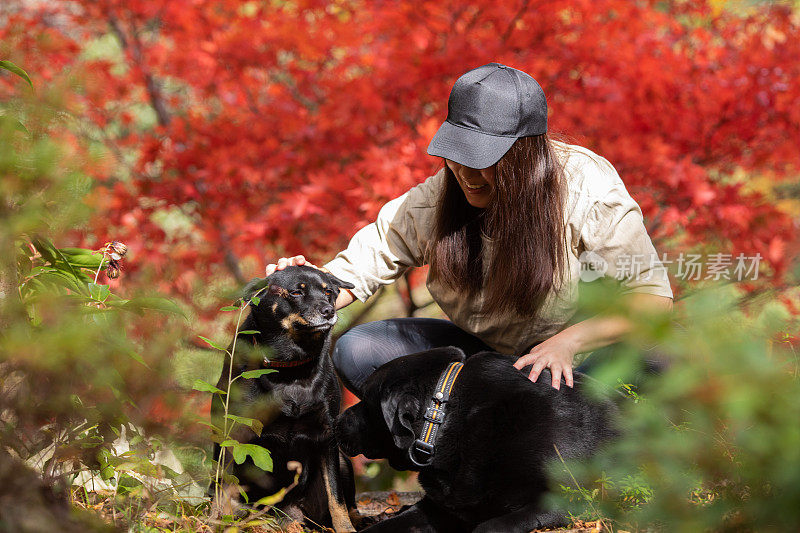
(577, 423)
(489, 463)
(502, 431)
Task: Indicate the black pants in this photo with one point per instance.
(363, 348)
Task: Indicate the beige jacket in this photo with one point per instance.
(603, 223)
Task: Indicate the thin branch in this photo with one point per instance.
(151, 85)
(287, 81)
(513, 23)
(475, 17)
(233, 266)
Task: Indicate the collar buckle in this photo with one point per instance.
(423, 450)
(434, 415)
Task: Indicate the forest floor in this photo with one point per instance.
(372, 506)
(386, 503)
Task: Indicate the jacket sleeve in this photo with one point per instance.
(382, 251)
(615, 240)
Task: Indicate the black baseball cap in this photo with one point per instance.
(489, 108)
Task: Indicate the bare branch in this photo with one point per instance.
(510, 28)
(233, 266)
(151, 84)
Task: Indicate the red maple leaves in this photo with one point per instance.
(258, 129)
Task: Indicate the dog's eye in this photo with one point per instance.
(328, 292)
(296, 292)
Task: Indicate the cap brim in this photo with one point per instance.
(468, 147)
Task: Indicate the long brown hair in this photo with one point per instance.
(524, 220)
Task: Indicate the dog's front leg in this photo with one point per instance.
(422, 517)
(523, 520)
(337, 504)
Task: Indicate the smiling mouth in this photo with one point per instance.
(475, 189)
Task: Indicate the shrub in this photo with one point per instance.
(712, 443)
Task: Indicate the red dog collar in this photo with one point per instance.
(286, 364)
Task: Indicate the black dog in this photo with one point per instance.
(293, 313)
(488, 465)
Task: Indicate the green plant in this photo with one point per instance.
(84, 372)
(222, 434)
(711, 443)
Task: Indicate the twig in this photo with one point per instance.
(233, 265)
(151, 85)
(510, 28)
(99, 268)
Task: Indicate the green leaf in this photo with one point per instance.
(260, 455)
(153, 303)
(204, 386)
(255, 300)
(46, 249)
(229, 308)
(274, 499)
(138, 358)
(107, 472)
(16, 124)
(252, 423)
(57, 259)
(11, 67)
(209, 424)
(251, 374)
(82, 258)
(58, 280)
(230, 478)
(213, 344)
(77, 273)
(128, 483)
(250, 332)
(99, 292)
(239, 453)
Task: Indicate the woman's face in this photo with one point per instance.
(477, 184)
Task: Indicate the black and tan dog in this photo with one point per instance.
(487, 470)
(297, 404)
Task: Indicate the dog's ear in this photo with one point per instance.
(254, 287)
(400, 411)
(339, 283)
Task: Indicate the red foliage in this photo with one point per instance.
(281, 128)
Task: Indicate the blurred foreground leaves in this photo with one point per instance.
(85, 387)
(713, 442)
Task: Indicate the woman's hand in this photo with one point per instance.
(555, 353)
(283, 262)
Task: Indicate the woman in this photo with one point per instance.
(505, 227)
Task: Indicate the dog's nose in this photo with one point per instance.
(327, 311)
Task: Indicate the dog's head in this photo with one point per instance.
(299, 298)
(385, 423)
